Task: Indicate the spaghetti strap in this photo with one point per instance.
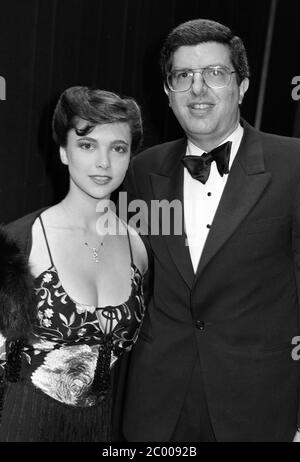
(46, 240)
(130, 248)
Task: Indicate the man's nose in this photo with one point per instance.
(102, 159)
(198, 85)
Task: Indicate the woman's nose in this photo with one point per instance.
(102, 160)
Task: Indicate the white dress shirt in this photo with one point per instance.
(201, 200)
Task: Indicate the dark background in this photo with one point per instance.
(49, 45)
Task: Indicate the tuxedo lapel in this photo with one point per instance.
(168, 185)
(246, 183)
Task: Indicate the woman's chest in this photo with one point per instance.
(61, 319)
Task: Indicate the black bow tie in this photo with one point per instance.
(199, 166)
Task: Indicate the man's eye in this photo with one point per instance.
(182, 75)
(216, 72)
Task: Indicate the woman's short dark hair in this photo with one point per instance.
(201, 31)
(96, 107)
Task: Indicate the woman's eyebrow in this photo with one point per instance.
(120, 141)
(86, 138)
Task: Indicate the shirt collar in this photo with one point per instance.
(235, 137)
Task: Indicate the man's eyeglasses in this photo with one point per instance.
(214, 77)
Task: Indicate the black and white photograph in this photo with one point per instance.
(149, 224)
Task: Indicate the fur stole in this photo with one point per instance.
(17, 297)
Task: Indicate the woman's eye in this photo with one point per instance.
(86, 146)
(121, 149)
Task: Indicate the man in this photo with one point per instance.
(213, 361)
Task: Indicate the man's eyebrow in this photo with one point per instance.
(177, 68)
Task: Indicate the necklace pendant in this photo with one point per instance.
(95, 255)
(95, 252)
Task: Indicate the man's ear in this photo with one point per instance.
(244, 85)
(167, 92)
(63, 155)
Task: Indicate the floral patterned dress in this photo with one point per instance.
(67, 368)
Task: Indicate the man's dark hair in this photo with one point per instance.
(95, 107)
(201, 31)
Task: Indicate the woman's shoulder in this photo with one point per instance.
(20, 229)
(139, 249)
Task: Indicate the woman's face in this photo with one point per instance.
(98, 161)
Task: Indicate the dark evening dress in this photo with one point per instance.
(63, 392)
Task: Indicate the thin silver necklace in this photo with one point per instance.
(95, 251)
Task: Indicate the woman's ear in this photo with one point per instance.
(63, 155)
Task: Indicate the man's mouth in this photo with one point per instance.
(201, 106)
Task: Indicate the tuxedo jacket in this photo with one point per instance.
(238, 314)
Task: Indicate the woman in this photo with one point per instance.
(88, 269)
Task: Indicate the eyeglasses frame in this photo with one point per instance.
(200, 70)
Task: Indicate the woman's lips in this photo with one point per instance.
(100, 179)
